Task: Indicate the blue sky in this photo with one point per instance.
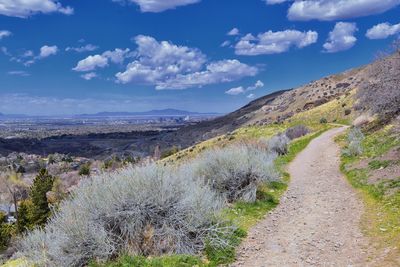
(85, 56)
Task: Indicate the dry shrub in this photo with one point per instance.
(235, 172)
(297, 131)
(150, 210)
(381, 92)
(355, 139)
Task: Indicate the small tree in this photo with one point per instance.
(25, 216)
(42, 184)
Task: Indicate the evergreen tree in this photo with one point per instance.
(42, 184)
(25, 216)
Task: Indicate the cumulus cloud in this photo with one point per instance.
(233, 32)
(383, 30)
(4, 34)
(341, 37)
(100, 61)
(274, 42)
(251, 96)
(46, 51)
(89, 76)
(241, 90)
(26, 8)
(81, 49)
(157, 6)
(168, 66)
(336, 9)
(91, 63)
(235, 91)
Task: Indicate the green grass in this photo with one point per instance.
(382, 199)
(378, 164)
(166, 261)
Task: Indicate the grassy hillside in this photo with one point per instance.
(376, 174)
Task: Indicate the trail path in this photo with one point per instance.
(317, 221)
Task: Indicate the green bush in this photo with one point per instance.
(323, 121)
(5, 232)
(84, 170)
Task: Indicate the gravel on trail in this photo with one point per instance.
(317, 222)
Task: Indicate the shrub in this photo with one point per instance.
(84, 170)
(297, 131)
(141, 211)
(5, 232)
(355, 139)
(323, 121)
(278, 144)
(381, 93)
(236, 171)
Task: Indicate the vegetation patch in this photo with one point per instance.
(382, 197)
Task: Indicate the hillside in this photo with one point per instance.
(277, 106)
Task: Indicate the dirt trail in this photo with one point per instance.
(317, 221)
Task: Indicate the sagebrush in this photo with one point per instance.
(355, 138)
(235, 172)
(150, 210)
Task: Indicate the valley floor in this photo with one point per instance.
(318, 220)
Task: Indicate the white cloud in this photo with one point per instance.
(240, 90)
(235, 91)
(274, 2)
(158, 5)
(383, 30)
(274, 42)
(226, 43)
(91, 63)
(81, 49)
(100, 61)
(117, 56)
(4, 34)
(46, 51)
(21, 73)
(26, 8)
(233, 32)
(341, 37)
(156, 61)
(167, 66)
(337, 9)
(251, 96)
(89, 76)
(222, 71)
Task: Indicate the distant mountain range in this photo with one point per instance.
(162, 112)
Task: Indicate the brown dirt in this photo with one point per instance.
(318, 220)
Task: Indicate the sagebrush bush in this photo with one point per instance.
(235, 172)
(150, 210)
(277, 144)
(355, 139)
(297, 131)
